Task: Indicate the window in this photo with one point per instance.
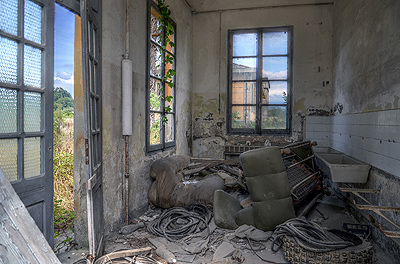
(160, 118)
(260, 72)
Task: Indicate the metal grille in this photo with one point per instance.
(8, 158)
(8, 60)
(32, 111)
(8, 110)
(33, 21)
(32, 157)
(296, 175)
(9, 16)
(33, 67)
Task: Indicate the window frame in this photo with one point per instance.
(259, 80)
(163, 145)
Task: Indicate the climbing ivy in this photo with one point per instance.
(168, 28)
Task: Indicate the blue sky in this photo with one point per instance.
(64, 34)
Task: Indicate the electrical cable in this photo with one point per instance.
(308, 235)
(180, 223)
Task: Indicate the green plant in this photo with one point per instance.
(63, 221)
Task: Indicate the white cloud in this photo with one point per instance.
(276, 75)
(64, 77)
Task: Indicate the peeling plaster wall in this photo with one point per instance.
(113, 47)
(366, 55)
(312, 51)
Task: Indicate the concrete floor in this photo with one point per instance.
(329, 212)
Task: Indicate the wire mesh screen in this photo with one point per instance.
(32, 67)
(8, 60)
(9, 16)
(33, 21)
(8, 110)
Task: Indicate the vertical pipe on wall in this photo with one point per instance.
(126, 108)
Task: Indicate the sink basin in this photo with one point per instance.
(342, 168)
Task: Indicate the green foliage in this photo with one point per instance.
(155, 101)
(168, 59)
(63, 221)
(284, 96)
(63, 99)
(155, 133)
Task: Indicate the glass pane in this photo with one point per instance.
(155, 33)
(245, 44)
(169, 128)
(33, 67)
(32, 112)
(33, 21)
(8, 111)
(155, 61)
(155, 94)
(244, 69)
(155, 128)
(275, 43)
(275, 68)
(274, 92)
(32, 157)
(244, 117)
(9, 16)
(9, 158)
(8, 60)
(273, 117)
(244, 92)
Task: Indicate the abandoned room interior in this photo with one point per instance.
(195, 104)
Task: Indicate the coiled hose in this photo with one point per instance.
(179, 223)
(308, 235)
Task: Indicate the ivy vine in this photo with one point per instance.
(168, 28)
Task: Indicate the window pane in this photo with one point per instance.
(9, 16)
(8, 60)
(9, 158)
(274, 92)
(244, 117)
(275, 43)
(244, 93)
(155, 32)
(245, 44)
(155, 128)
(273, 117)
(244, 69)
(169, 128)
(275, 68)
(155, 61)
(33, 21)
(155, 95)
(8, 111)
(32, 157)
(32, 112)
(33, 67)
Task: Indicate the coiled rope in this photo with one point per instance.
(179, 223)
(308, 235)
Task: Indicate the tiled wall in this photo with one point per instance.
(373, 138)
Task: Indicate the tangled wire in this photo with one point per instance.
(308, 235)
(178, 223)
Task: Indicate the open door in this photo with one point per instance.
(91, 54)
(26, 105)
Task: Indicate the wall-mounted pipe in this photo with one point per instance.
(126, 108)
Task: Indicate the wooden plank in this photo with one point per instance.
(393, 234)
(378, 208)
(23, 242)
(210, 165)
(352, 190)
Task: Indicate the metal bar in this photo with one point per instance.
(127, 180)
(394, 234)
(304, 180)
(300, 162)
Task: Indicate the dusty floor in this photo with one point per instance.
(329, 212)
